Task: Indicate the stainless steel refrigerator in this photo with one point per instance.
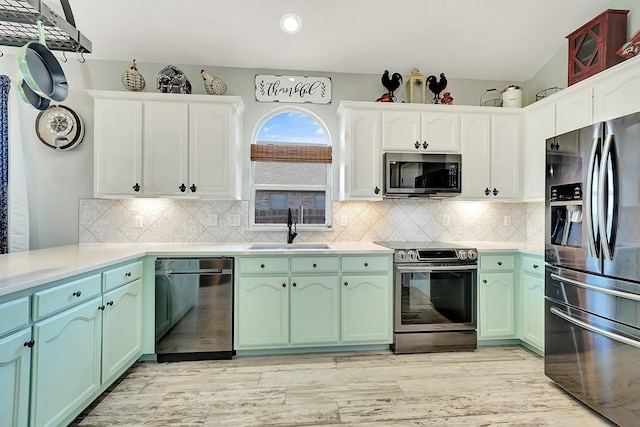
(592, 254)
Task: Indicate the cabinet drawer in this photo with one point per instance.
(14, 314)
(497, 262)
(263, 265)
(366, 264)
(533, 265)
(66, 295)
(120, 275)
(324, 264)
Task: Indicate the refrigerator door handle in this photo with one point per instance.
(589, 203)
(605, 179)
(612, 292)
(594, 329)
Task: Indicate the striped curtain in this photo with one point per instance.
(5, 85)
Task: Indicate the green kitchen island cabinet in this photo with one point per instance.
(301, 301)
(15, 362)
(496, 297)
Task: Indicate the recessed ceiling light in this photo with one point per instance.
(290, 23)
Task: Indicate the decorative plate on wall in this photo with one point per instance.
(59, 127)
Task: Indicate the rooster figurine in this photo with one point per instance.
(391, 84)
(436, 86)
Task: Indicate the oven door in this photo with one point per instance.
(435, 298)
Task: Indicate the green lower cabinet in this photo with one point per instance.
(533, 310)
(366, 309)
(15, 366)
(263, 306)
(122, 329)
(315, 310)
(66, 363)
(496, 318)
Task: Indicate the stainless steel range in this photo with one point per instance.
(435, 294)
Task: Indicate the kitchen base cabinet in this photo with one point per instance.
(315, 310)
(66, 363)
(532, 299)
(15, 367)
(122, 329)
(496, 297)
(366, 309)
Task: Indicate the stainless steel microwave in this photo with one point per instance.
(421, 175)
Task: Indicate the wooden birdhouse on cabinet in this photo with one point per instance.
(416, 87)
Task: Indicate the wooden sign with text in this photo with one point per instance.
(315, 90)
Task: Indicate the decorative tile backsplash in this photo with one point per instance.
(190, 221)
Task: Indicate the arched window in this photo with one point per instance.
(291, 169)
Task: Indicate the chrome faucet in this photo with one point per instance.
(290, 223)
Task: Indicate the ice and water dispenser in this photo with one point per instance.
(566, 214)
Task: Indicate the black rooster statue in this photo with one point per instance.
(391, 84)
(436, 86)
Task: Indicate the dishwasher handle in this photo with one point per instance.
(204, 272)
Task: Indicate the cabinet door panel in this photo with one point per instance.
(118, 147)
(574, 110)
(476, 155)
(165, 148)
(539, 125)
(496, 305)
(15, 364)
(212, 155)
(122, 331)
(533, 310)
(366, 309)
(401, 130)
(441, 131)
(505, 156)
(66, 363)
(263, 305)
(315, 308)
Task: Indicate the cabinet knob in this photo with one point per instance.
(77, 294)
(495, 192)
(535, 265)
(346, 283)
(376, 190)
(417, 145)
(128, 274)
(136, 187)
(295, 284)
(284, 285)
(101, 307)
(425, 145)
(110, 303)
(29, 343)
(499, 262)
(487, 191)
(193, 188)
(315, 265)
(261, 265)
(484, 280)
(366, 264)
(182, 188)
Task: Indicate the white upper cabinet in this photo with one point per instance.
(618, 94)
(574, 110)
(491, 156)
(167, 145)
(419, 131)
(360, 165)
(539, 124)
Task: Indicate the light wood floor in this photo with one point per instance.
(491, 386)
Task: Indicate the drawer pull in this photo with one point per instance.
(484, 281)
(366, 264)
(346, 283)
(295, 284)
(261, 265)
(499, 262)
(77, 294)
(101, 307)
(535, 265)
(110, 303)
(128, 274)
(315, 265)
(30, 343)
(284, 285)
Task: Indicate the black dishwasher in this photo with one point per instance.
(194, 308)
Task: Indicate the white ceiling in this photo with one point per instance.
(508, 40)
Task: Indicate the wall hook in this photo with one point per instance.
(82, 60)
(64, 56)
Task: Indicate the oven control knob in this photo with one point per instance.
(462, 255)
(473, 255)
(401, 256)
(412, 255)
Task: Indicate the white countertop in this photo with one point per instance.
(24, 270)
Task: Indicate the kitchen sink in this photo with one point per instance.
(289, 247)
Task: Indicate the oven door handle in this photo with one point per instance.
(594, 329)
(436, 268)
